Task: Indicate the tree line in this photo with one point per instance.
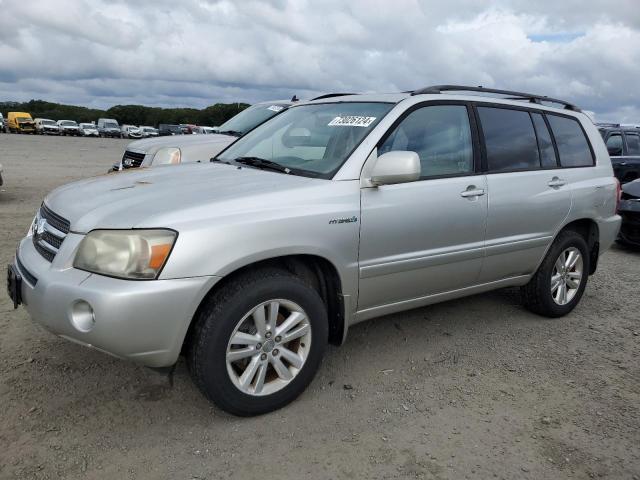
(128, 114)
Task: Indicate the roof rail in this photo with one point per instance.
(435, 89)
(331, 95)
(605, 124)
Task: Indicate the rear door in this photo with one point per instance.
(528, 195)
(425, 237)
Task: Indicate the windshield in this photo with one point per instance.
(312, 138)
(87, 126)
(110, 125)
(249, 118)
(47, 122)
(68, 123)
(24, 119)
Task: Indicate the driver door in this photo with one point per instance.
(425, 237)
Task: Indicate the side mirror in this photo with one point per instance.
(400, 166)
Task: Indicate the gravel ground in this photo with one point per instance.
(474, 388)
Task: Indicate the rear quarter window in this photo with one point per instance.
(573, 146)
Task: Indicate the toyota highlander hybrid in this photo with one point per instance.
(333, 212)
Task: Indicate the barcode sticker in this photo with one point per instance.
(351, 121)
(275, 108)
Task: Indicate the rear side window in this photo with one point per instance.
(509, 138)
(614, 145)
(633, 143)
(545, 144)
(440, 135)
(573, 146)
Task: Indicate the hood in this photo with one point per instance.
(170, 195)
(151, 145)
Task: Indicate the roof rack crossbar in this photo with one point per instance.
(435, 89)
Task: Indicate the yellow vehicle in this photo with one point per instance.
(20, 122)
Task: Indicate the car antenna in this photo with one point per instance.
(295, 98)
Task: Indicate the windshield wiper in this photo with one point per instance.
(234, 133)
(258, 162)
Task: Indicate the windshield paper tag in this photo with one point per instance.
(275, 108)
(351, 121)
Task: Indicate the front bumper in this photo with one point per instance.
(143, 321)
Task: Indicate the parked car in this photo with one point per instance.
(165, 129)
(148, 131)
(46, 126)
(68, 127)
(108, 127)
(130, 131)
(3, 126)
(88, 130)
(193, 148)
(333, 212)
(623, 144)
(629, 210)
(20, 122)
(204, 130)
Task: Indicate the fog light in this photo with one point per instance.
(82, 316)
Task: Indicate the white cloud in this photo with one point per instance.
(197, 52)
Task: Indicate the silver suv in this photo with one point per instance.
(333, 212)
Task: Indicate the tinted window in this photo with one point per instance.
(614, 145)
(547, 153)
(572, 144)
(440, 135)
(509, 138)
(633, 143)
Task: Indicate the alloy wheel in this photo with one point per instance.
(268, 347)
(566, 276)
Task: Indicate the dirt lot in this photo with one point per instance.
(476, 388)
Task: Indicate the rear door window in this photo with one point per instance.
(614, 145)
(545, 144)
(633, 144)
(571, 141)
(509, 138)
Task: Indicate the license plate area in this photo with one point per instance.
(14, 286)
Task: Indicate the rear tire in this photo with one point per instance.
(275, 365)
(559, 283)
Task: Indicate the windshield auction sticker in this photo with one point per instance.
(275, 108)
(351, 121)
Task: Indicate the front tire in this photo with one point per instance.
(559, 283)
(258, 342)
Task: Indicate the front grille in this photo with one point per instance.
(132, 159)
(55, 220)
(50, 230)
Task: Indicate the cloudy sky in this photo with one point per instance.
(199, 52)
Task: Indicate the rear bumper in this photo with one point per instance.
(609, 229)
(143, 321)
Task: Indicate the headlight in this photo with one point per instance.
(131, 254)
(166, 156)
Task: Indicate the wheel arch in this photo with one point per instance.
(589, 230)
(317, 271)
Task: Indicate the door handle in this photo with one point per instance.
(556, 182)
(472, 191)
